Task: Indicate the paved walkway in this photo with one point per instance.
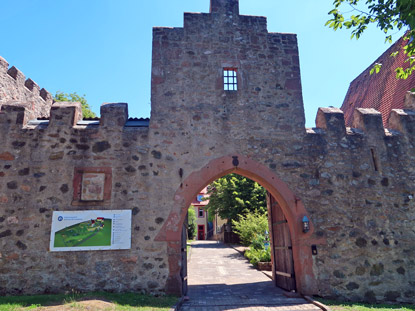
(220, 279)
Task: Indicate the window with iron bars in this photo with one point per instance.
(230, 79)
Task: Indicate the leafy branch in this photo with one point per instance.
(387, 15)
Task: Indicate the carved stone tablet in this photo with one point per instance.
(92, 187)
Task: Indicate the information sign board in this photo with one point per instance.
(90, 230)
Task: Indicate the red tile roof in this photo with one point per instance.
(382, 91)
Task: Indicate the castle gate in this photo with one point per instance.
(226, 97)
(289, 208)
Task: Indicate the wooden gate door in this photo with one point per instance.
(183, 270)
(281, 247)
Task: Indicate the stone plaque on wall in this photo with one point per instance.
(92, 187)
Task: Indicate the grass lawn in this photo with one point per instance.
(91, 301)
(351, 306)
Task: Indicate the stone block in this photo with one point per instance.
(16, 74)
(369, 121)
(45, 95)
(65, 114)
(403, 120)
(193, 20)
(15, 114)
(409, 101)
(32, 86)
(114, 115)
(228, 7)
(331, 120)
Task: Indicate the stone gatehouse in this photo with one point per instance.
(226, 97)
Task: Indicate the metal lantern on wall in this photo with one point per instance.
(306, 224)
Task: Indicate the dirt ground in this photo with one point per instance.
(99, 305)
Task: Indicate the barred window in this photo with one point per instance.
(230, 81)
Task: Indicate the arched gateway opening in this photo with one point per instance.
(285, 207)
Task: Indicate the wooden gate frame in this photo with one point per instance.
(291, 205)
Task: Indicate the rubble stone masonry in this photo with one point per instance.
(14, 87)
(356, 185)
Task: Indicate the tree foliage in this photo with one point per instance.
(388, 15)
(234, 195)
(74, 97)
(191, 223)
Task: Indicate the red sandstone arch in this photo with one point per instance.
(291, 205)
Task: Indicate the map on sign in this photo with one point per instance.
(91, 230)
(94, 232)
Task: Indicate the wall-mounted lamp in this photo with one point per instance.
(306, 224)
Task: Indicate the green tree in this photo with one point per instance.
(234, 195)
(191, 223)
(388, 15)
(74, 97)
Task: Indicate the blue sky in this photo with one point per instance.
(102, 48)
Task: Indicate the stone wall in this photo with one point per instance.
(14, 87)
(355, 184)
(361, 199)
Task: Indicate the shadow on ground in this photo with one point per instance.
(220, 278)
(235, 296)
(209, 245)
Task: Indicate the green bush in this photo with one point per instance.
(250, 226)
(256, 255)
(251, 229)
(258, 242)
(191, 223)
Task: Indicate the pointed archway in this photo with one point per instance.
(291, 206)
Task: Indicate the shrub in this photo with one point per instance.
(251, 225)
(258, 242)
(256, 255)
(251, 229)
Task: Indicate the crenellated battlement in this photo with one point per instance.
(330, 121)
(65, 115)
(16, 88)
(366, 122)
(21, 81)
